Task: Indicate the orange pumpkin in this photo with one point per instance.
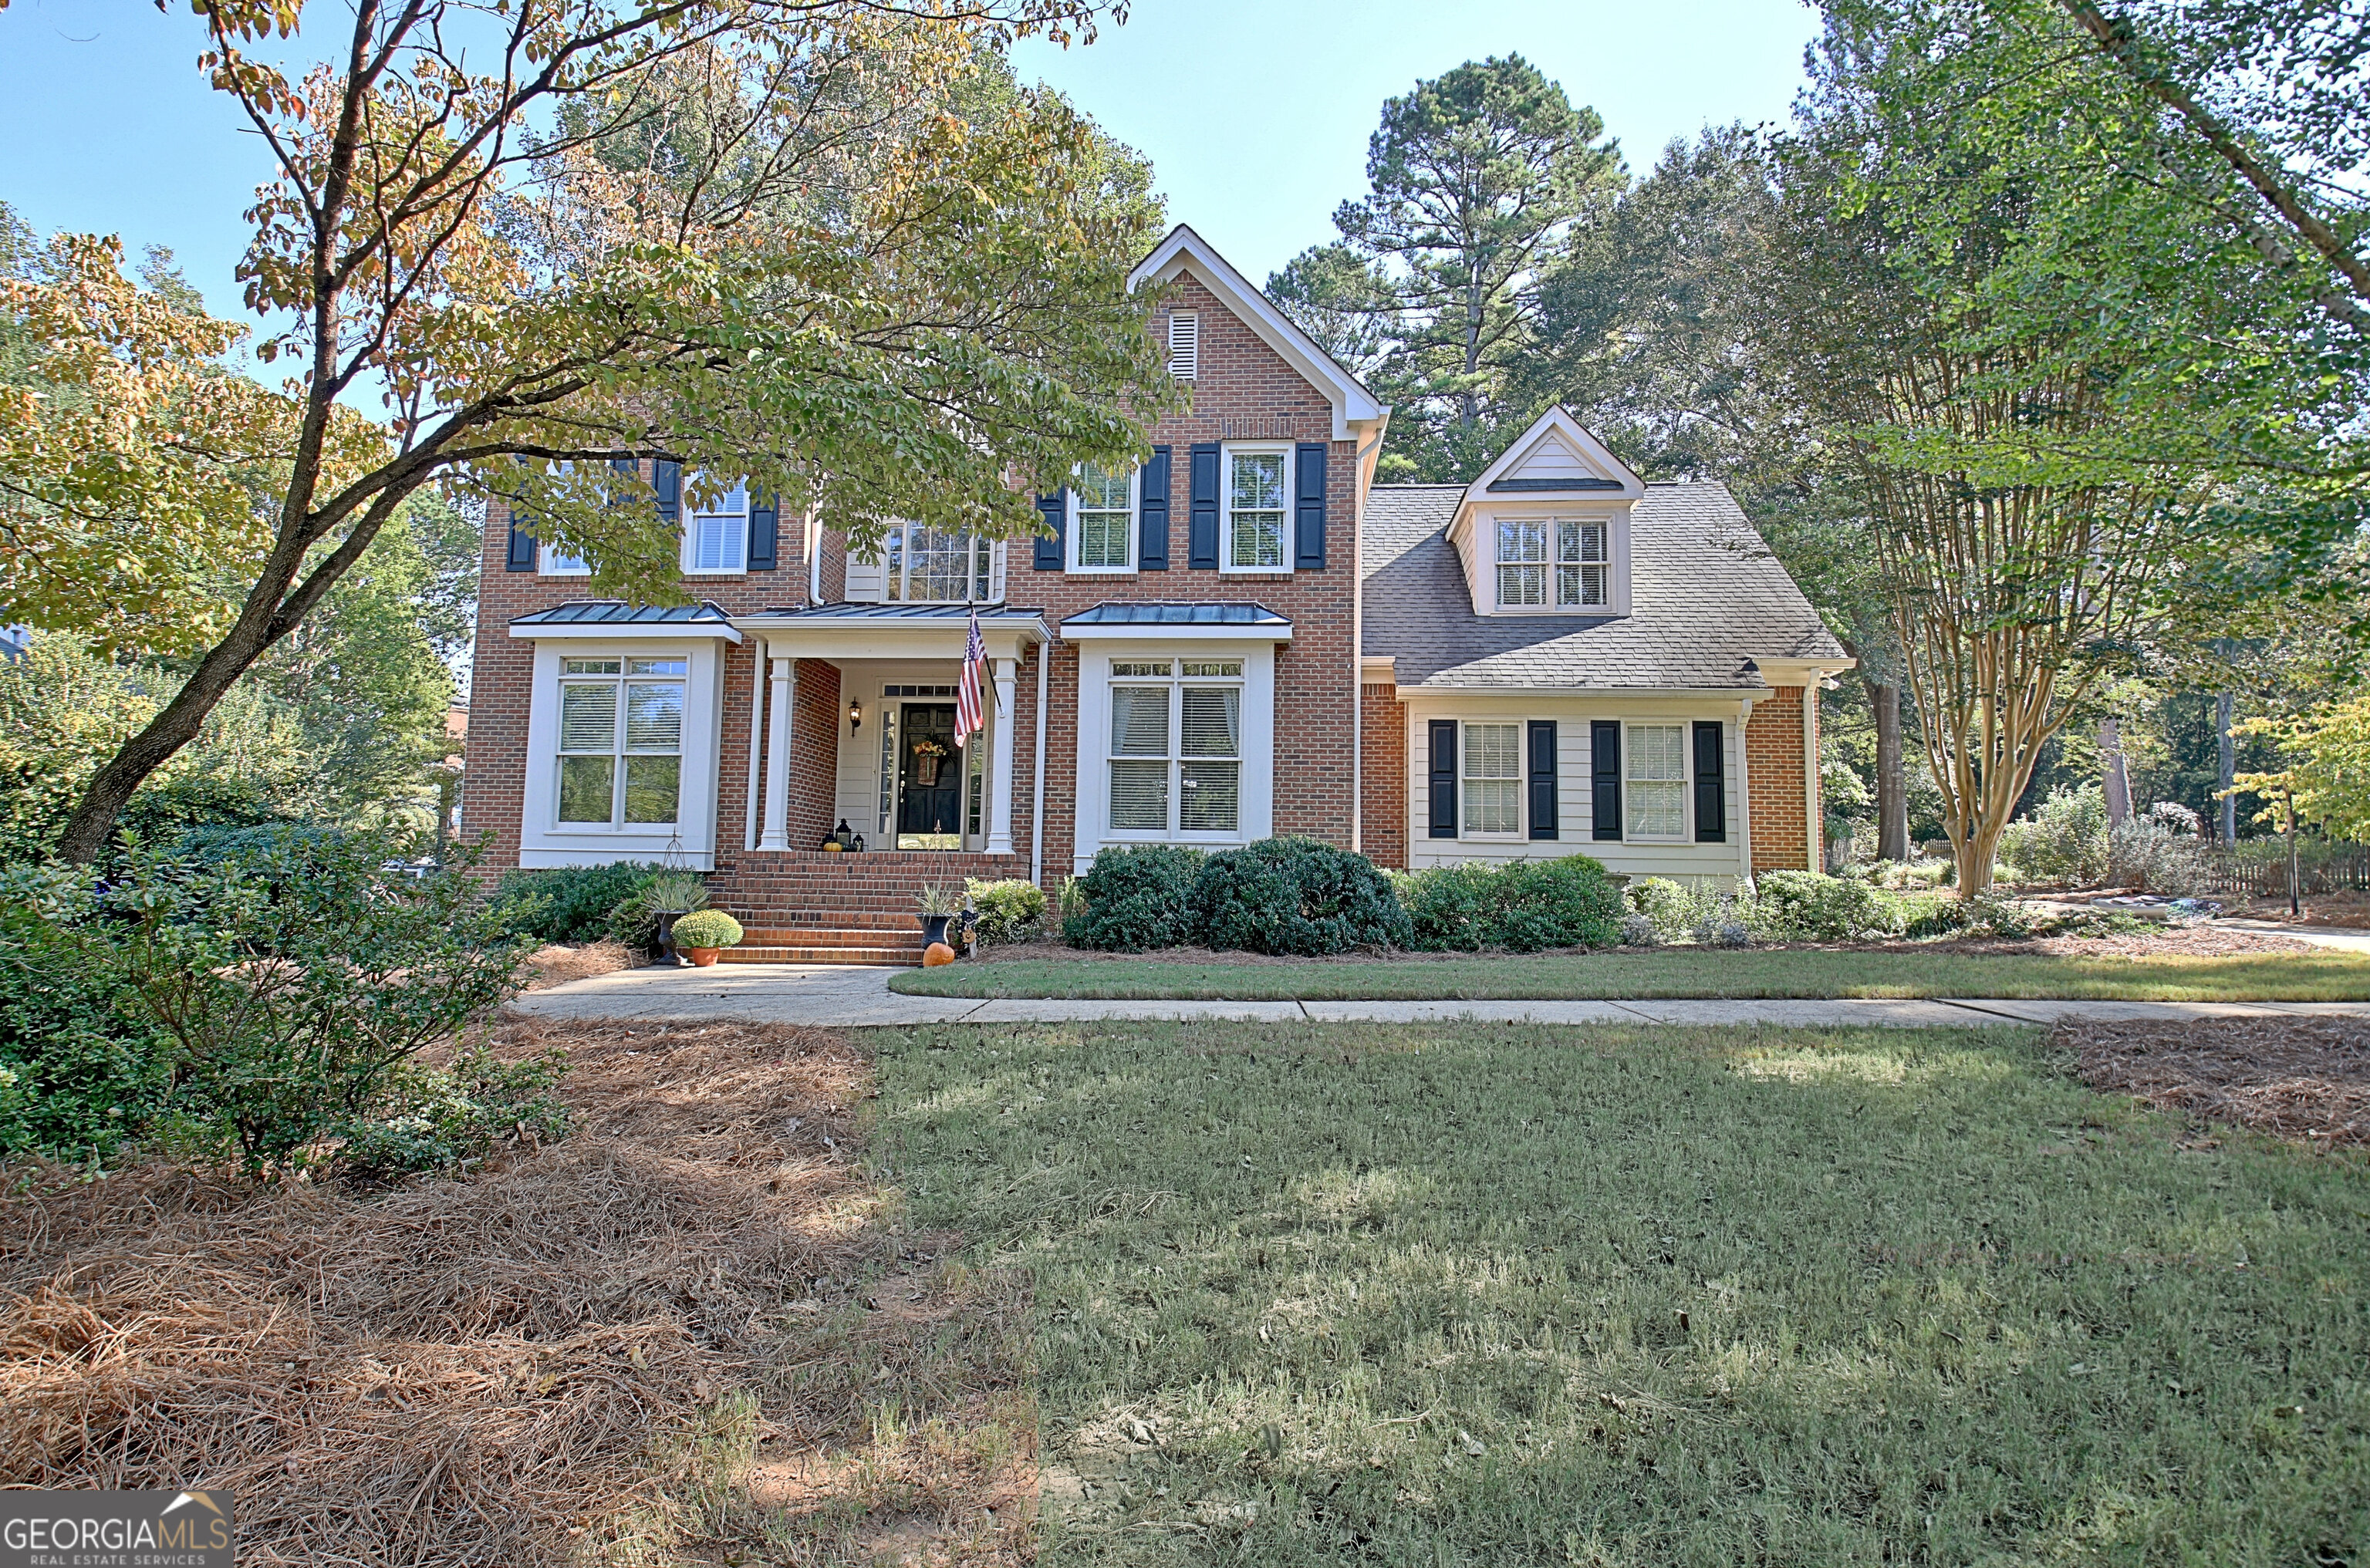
(936, 954)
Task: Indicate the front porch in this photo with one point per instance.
(818, 907)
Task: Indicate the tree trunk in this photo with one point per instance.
(1976, 854)
(1892, 785)
(2118, 778)
(2226, 749)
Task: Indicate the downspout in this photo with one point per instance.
(814, 555)
(1362, 471)
(1743, 790)
(1037, 778)
(756, 728)
(1811, 859)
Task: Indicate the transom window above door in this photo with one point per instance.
(621, 741)
(1560, 563)
(926, 567)
(1176, 747)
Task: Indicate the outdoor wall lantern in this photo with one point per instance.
(855, 717)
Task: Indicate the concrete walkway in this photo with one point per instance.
(787, 993)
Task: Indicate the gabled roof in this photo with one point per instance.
(1706, 597)
(1557, 459)
(1184, 250)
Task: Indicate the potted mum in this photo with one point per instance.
(704, 934)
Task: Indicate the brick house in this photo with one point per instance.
(1243, 637)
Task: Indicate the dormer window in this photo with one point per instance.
(1185, 346)
(1560, 563)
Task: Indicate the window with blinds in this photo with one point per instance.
(1106, 520)
(1493, 778)
(1176, 747)
(1582, 558)
(715, 539)
(1255, 509)
(1654, 804)
(1185, 346)
(1521, 561)
(621, 741)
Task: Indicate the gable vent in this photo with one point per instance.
(1185, 346)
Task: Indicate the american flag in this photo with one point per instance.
(967, 707)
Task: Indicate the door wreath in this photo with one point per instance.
(929, 757)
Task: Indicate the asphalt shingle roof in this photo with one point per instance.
(1705, 595)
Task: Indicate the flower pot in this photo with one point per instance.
(667, 956)
(934, 929)
(701, 958)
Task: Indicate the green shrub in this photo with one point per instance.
(292, 978)
(1137, 898)
(634, 919)
(1805, 906)
(1934, 914)
(1295, 896)
(440, 1119)
(567, 903)
(2065, 840)
(1679, 911)
(1524, 906)
(1009, 911)
(707, 928)
(80, 1071)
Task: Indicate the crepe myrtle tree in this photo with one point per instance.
(824, 244)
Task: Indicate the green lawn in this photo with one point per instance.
(2300, 977)
(1419, 1295)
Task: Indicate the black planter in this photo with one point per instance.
(934, 929)
(668, 958)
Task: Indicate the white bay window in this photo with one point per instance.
(620, 753)
(1176, 747)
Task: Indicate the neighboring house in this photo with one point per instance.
(1243, 637)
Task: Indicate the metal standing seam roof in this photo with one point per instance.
(617, 612)
(1705, 594)
(847, 611)
(1113, 613)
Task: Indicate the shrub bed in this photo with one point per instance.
(1136, 899)
(1295, 896)
(1523, 907)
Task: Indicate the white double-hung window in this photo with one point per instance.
(1557, 562)
(1103, 522)
(1176, 747)
(621, 741)
(1257, 509)
(1655, 803)
(1493, 778)
(716, 536)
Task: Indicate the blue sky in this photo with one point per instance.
(1255, 113)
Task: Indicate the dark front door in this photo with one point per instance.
(929, 775)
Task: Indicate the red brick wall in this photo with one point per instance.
(1384, 825)
(1773, 751)
(815, 719)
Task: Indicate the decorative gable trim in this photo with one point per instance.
(1558, 455)
(1555, 470)
(1184, 251)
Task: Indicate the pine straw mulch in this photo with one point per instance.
(688, 1333)
(2303, 1079)
(557, 963)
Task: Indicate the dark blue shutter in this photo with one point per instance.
(1054, 511)
(1443, 778)
(1711, 792)
(1604, 774)
(1201, 502)
(666, 478)
(1152, 525)
(522, 552)
(1308, 535)
(764, 530)
(1542, 779)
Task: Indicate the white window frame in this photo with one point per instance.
(896, 572)
(1076, 538)
(1185, 345)
(543, 840)
(691, 516)
(1255, 807)
(550, 563)
(621, 749)
(1175, 681)
(1466, 777)
(1551, 562)
(1228, 453)
(1685, 781)
(1579, 561)
(1542, 562)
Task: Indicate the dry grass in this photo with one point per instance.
(689, 1334)
(560, 962)
(2308, 1080)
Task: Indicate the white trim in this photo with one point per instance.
(1190, 357)
(1811, 823)
(998, 805)
(1743, 792)
(1687, 782)
(543, 842)
(691, 516)
(782, 684)
(757, 725)
(1037, 781)
(546, 564)
(889, 637)
(624, 631)
(1183, 250)
(1070, 534)
(1520, 832)
(1138, 632)
(1286, 530)
(1557, 421)
(1255, 807)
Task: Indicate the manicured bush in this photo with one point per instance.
(1805, 906)
(707, 928)
(1009, 911)
(569, 903)
(293, 979)
(451, 1117)
(1136, 899)
(1524, 906)
(1295, 896)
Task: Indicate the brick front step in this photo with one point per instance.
(899, 945)
(811, 900)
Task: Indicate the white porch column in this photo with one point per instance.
(778, 756)
(999, 764)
